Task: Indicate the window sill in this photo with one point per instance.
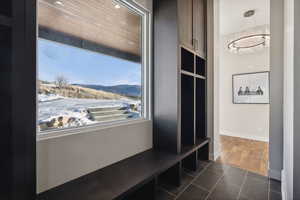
(46, 135)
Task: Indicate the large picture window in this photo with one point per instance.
(92, 63)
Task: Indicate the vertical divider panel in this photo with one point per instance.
(191, 162)
(171, 176)
(203, 153)
(145, 192)
(5, 107)
(195, 100)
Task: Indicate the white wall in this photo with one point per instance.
(65, 158)
(213, 34)
(241, 120)
(287, 174)
(68, 157)
(216, 80)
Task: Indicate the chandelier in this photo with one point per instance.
(249, 43)
(250, 40)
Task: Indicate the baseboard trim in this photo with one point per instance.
(283, 186)
(214, 156)
(275, 174)
(250, 137)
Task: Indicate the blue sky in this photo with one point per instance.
(84, 67)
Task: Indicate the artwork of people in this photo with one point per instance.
(252, 88)
(259, 91)
(247, 91)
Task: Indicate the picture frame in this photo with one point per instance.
(251, 88)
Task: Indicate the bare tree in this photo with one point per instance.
(38, 85)
(61, 81)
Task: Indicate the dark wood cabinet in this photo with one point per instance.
(199, 27)
(179, 75)
(192, 25)
(185, 16)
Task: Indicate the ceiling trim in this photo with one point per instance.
(64, 38)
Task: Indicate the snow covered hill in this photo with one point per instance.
(59, 112)
(69, 106)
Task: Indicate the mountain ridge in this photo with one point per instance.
(122, 89)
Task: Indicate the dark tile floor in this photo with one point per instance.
(214, 181)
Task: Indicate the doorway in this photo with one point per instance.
(243, 81)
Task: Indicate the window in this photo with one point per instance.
(93, 63)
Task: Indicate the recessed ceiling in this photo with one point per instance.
(99, 21)
(232, 11)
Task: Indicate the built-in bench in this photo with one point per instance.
(133, 178)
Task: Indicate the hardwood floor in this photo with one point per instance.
(246, 154)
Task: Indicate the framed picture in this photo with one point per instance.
(251, 88)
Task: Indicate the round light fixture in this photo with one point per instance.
(249, 43)
(249, 13)
(59, 3)
(117, 6)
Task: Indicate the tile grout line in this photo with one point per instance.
(244, 181)
(169, 193)
(194, 178)
(176, 195)
(212, 189)
(200, 187)
(204, 169)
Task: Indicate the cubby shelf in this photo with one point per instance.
(200, 110)
(5, 21)
(192, 74)
(200, 142)
(187, 110)
(193, 100)
(200, 66)
(180, 78)
(187, 60)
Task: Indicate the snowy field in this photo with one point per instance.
(54, 106)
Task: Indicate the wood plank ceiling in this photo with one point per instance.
(97, 21)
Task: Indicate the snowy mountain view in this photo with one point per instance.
(127, 90)
(72, 106)
(78, 87)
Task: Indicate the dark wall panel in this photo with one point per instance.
(166, 76)
(5, 8)
(5, 107)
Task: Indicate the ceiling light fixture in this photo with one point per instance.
(249, 43)
(59, 3)
(117, 6)
(249, 13)
(251, 40)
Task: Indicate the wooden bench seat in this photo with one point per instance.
(121, 179)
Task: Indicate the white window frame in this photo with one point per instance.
(146, 80)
